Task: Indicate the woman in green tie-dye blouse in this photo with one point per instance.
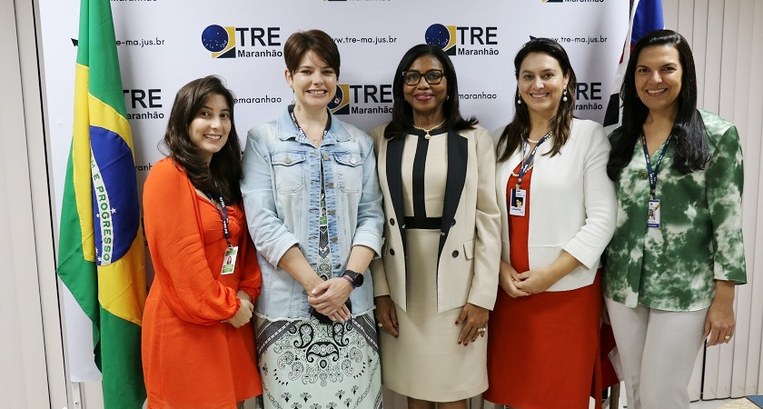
(677, 251)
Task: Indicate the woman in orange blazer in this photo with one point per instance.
(198, 343)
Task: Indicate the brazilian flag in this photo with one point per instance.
(101, 256)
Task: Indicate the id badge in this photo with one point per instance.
(517, 205)
(229, 261)
(653, 213)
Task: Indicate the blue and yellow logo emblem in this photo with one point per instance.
(220, 41)
(442, 36)
(340, 105)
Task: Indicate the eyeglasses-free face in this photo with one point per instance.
(541, 83)
(313, 82)
(432, 77)
(659, 78)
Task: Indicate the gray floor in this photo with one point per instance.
(709, 404)
(713, 404)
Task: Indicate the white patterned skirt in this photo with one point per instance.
(309, 365)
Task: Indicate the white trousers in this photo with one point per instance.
(657, 352)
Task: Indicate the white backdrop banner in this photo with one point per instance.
(163, 44)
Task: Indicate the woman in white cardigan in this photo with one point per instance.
(558, 213)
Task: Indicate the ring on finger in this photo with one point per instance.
(727, 337)
(481, 330)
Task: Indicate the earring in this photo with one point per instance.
(519, 101)
(564, 96)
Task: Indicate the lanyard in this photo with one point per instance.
(527, 161)
(296, 124)
(223, 212)
(323, 220)
(652, 172)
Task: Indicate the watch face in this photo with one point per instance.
(357, 278)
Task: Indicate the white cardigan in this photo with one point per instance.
(572, 203)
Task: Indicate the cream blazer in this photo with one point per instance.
(572, 203)
(467, 270)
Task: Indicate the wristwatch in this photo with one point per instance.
(356, 279)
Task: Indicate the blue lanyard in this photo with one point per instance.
(652, 172)
(526, 162)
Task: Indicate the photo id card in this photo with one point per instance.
(653, 213)
(229, 261)
(517, 205)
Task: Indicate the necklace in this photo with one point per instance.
(535, 141)
(427, 131)
(315, 141)
(528, 162)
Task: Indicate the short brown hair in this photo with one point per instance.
(317, 41)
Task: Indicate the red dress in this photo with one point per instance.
(190, 358)
(543, 350)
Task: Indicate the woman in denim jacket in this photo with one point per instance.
(314, 212)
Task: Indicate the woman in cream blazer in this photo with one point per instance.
(438, 275)
(468, 251)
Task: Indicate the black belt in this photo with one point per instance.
(432, 223)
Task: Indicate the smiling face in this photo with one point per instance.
(426, 99)
(313, 82)
(541, 83)
(658, 78)
(210, 127)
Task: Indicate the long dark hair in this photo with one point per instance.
(402, 112)
(225, 166)
(519, 127)
(689, 142)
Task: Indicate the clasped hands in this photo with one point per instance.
(244, 313)
(329, 298)
(523, 284)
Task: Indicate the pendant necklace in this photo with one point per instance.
(427, 131)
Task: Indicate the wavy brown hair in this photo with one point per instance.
(225, 166)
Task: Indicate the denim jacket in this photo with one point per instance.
(281, 190)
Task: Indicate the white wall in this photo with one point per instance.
(726, 36)
(727, 40)
(32, 369)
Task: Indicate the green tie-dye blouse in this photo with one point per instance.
(673, 267)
